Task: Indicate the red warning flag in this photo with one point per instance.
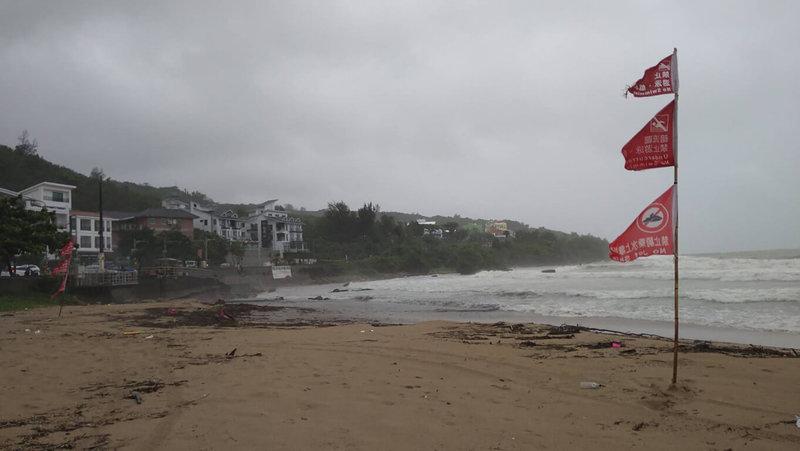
(651, 233)
(659, 79)
(654, 145)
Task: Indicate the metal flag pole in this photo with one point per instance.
(674, 72)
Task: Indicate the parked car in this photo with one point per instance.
(27, 270)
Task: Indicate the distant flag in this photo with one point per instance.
(651, 233)
(654, 145)
(62, 286)
(68, 248)
(62, 268)
(659, 79)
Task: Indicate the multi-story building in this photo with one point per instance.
(204, 215)
(85, 229)
(274, 230)
(158, 219)
(228, 225)
(56, 197)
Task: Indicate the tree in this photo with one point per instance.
(217, 247)
(26, 231)
(237, 250)
(25, 146)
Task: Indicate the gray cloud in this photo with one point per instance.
(485, 109)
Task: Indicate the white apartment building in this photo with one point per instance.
(85, 228)
(274, 230)
(205, 219)
(55, 196)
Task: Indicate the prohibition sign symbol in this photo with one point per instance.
(653, 219)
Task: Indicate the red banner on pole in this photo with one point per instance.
(659, 79)
(61, 287)
(68, 248)
(62, 268)
(654, 145)
(651, 233)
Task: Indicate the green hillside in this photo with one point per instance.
(19, 171)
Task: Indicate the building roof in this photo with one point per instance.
(49, 184)
(87, 213)
(164, 213)
(8, 192)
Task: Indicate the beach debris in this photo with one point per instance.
(224, 315)
(149, 337)
(549, 271)
(639, 426)
(132, 332)
(27, 330)
(319, 298)
(798, 420)
(231, 354)
(605, 344)
(172, 311)
(136, 396)
(591, 384)
(564, 329)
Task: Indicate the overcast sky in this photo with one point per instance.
(494, 109)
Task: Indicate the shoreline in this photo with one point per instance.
(360, 308)
(282, 378)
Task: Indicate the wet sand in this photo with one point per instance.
(290, 378)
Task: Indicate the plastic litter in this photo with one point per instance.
(590, 384)
(798, 420)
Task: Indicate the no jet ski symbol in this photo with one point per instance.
(653, 219)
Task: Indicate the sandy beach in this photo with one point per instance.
(176, 375)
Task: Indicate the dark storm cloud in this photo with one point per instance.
(485, 109)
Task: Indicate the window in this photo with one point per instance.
(152, 221)
(86, 242)
(96, 225)
(108, 243)
(97, 242)
(108, 226)
(86, 224)
(58, 196)
(164, 221)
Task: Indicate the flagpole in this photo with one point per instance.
(674, 70)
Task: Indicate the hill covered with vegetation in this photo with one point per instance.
(374, 241)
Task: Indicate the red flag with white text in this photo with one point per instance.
(68, 248)
(651, 233)
(654, 145)
(62, 268)
(61, 287)
(659, 79)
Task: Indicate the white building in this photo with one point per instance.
(55, 196)
(205, 219)
(274, 230)
(85, 229)
(228, 225)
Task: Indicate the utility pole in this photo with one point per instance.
(101, 258)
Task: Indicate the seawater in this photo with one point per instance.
(757, 292)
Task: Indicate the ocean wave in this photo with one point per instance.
(743, 295)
